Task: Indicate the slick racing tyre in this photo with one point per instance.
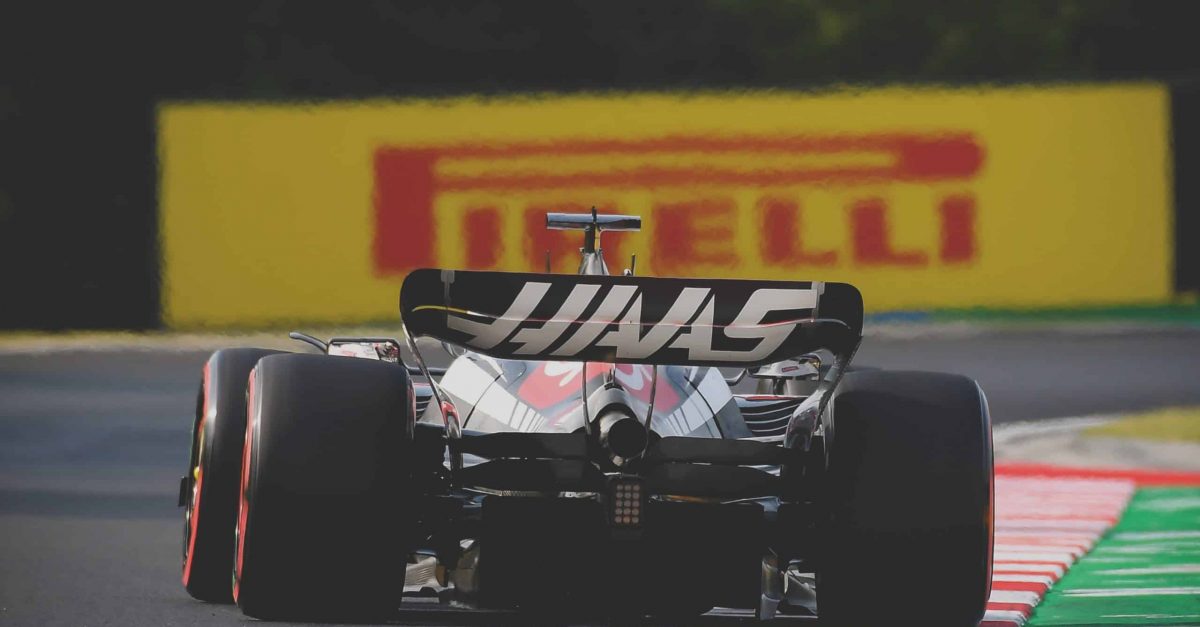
(210, 489)
(907, 500)
(322, 529)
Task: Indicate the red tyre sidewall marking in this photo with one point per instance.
(991, 507)
(197, 490)
(244, 505)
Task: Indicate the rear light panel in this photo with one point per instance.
(627, 502)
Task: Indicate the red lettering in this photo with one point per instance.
(407, 184)
(958, 229)
(872, 241)
(783, 242)
(693, 232)
(938, 156)
(483, 238)
(404, 191)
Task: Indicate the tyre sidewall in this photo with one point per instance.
(217, 434)
(325, 526)
(908, 497)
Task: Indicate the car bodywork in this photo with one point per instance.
(590, 447)
(598, 401)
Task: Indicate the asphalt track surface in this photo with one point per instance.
(92, 445)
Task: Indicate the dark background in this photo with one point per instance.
(79, 83)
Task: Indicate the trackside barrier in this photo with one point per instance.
(1001, 197)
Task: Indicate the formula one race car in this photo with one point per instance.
(584, 453)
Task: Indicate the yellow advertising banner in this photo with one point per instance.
(923, 198)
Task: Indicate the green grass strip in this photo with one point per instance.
(1176, 313)
(1146, 570)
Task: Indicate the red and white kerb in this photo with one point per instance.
(1043, 525)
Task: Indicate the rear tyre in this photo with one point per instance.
(323, 529)
(214, 473)
(907, 500)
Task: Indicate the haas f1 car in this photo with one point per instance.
(586, 451)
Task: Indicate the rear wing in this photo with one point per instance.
(628, 319)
